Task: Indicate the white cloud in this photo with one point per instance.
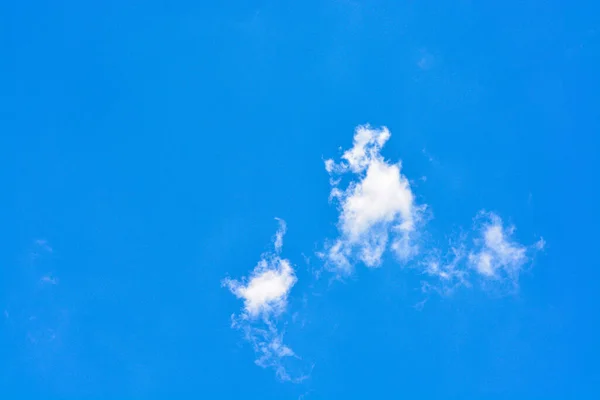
(448, 269)
(278, 243)
(377, 213)
(49, 280)
(265, 295)
(376, 208)
(492, 256)
(267, 342)
(496, 254)
(540, 244)
(265, 292)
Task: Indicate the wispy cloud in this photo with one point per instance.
(429, 156)
(43, 244)
(279, 235)
(377, 207)
(496, 255)
(378, 214)
(445, 272)
(488, 254)
(48, 279)
(265, 295)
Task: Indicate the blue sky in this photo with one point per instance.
(433, 166)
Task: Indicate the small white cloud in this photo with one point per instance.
(267, 290)
(377, 208)
(265, 295)
(48, 279)
(278, 243)
(492, 256)
(540, 244)
(496, 254)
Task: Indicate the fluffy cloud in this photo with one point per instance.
(496, 254)
(492, 255)
(376, 207)
(267, 290)
(265, 295)
(377, 213)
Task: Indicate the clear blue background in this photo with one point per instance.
(151, 144)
